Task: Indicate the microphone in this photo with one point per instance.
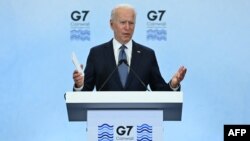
(136, 75)
(110, 75)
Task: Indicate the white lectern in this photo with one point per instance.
(124, 116)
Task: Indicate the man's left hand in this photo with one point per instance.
(178, 77)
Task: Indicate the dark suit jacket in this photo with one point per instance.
(101, 62)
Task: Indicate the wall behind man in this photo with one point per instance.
(209, 37)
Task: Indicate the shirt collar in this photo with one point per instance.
(117, 44)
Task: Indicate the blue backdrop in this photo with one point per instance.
(209, 37)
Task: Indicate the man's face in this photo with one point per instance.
(123, 25)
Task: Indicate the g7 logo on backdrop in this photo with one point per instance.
(122, 130)
(154, 15)
(77, 15)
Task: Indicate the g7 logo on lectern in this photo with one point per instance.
(77, 15)
(154, 15)
(122, 130)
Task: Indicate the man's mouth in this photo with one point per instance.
(126, 34)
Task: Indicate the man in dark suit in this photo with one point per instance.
(122, 64)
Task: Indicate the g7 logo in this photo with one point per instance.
(121, 130)
(76, 15)
(153, 15)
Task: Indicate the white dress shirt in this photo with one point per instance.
(116, 48)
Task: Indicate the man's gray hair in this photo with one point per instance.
(128, 6)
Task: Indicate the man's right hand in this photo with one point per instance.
(78, 79)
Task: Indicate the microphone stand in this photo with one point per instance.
(136, 75)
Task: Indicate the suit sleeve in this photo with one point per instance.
(89, 78)
(157, 83)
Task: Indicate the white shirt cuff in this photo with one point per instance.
(78, 89)
(174, 89)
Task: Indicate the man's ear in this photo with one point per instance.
(111, 24)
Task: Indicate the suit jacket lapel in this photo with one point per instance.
(109, 55)
(135, 59)
(110, 58)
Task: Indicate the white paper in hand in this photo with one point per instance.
(76, 63)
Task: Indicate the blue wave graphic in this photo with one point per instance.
(105, 135)
(155, 37)
(109, 127)
(105, 132)
(144, 127)
(105, 125)
(78, 37)
(83, 35)
(144, 132)
(144, 136)
(79, 31)
(156, 31)
(157, 34)
(144, 139)
(105, 139)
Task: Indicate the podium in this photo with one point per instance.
(124, 116)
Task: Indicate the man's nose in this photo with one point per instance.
(127, 26)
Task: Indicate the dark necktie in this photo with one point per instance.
(123, 68)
